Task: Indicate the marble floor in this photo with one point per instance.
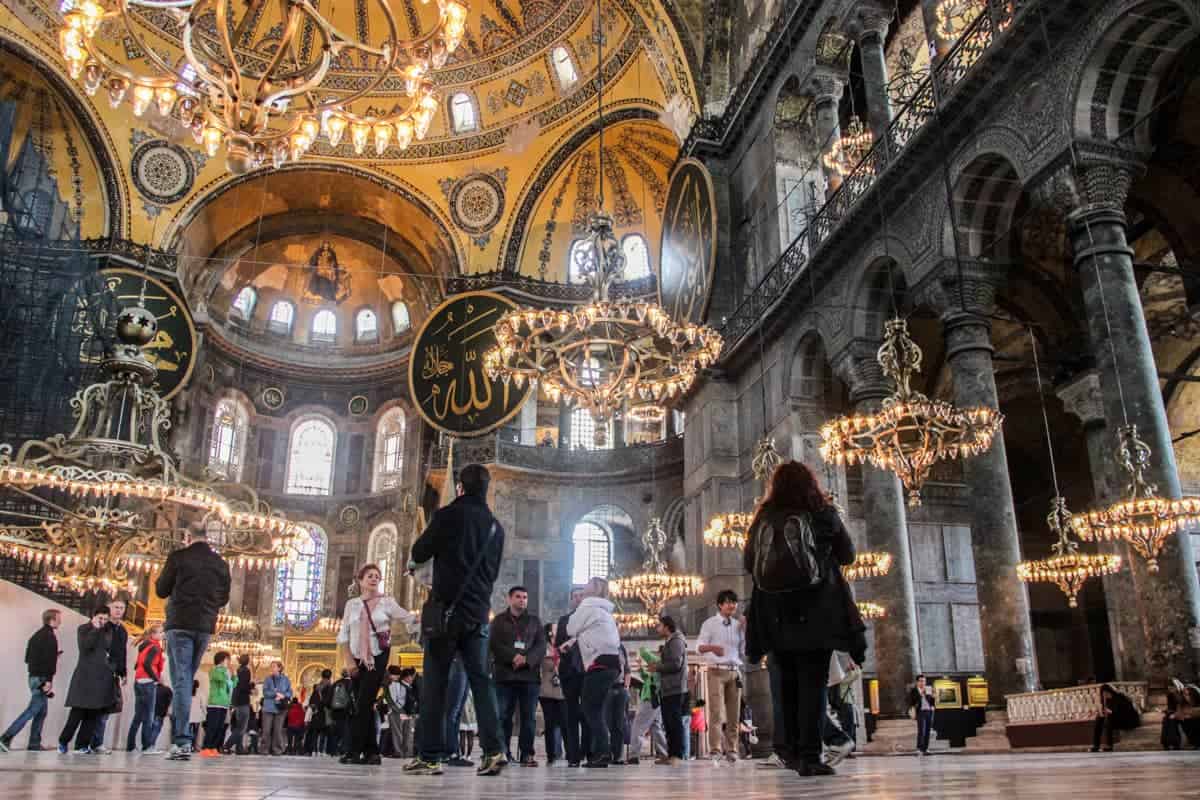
(123, 776)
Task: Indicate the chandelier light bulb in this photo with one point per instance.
(358, 136)
(335, 127)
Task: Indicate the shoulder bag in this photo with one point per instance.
(436, 614)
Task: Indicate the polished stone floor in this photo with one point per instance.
(1000, 777)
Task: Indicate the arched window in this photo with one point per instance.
(324, 326)
(282, 314)
(245, 301)
(637, 256)
(592, 549)
(381, 551)
(299, 582)
(564, 68)
(583, 432)
(310, 458)
(401, 322)
(366, 326)
(462, 113)
(389, 450)
(581, 261)
(227, 442)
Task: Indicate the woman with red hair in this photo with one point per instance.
(801, 609)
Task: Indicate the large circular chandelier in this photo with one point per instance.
(911, 432)
(265, 107)
(870, 610)
(634, 621)
(605, 354)
(868, 565)
(655, 585)
(1145, 520)
(731, 529)
(104, 503)
(1068, 568)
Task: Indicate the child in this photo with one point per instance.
(295, 726)
(220, 687)
(699, 725)
(148, 670)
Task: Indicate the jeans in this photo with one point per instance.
(597, 685)
(144, 695)
(98, 731)
(214, 728)
(576, 738)
(472, 645)
(157, 730)
(522, 696)
(925, 725)
(616, 714)
(35, 712)
(364, 740)
(554, 712)
(672, 714)
(184, 651)
(456, 700)
(648, 719)
(237, 731)
(803, 677)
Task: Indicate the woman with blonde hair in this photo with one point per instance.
(148, 673)
(365, 642)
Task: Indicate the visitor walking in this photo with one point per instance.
(672, 670)
(466, 543)
(551, 697)
(195, 582)
(93, 688)
(147, 674)
(801, 609)
(595, 632)
(41, 661)
(922, 703)
(570, 673)
(365, 642)
(277, 699)
(342, 706)
(117, 659)
(220, 691)
(518, 645)
(319, 720)
(240, 705)
(721, 643)
(648, 716)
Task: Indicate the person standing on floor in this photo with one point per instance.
(551, 697)
(365, 643)
(570, 673)
(466, 543)
(518, 645)
(721, 644)
(456, 701)
(672, 671)
(93, 688)
(220, 691)
(648, 716)
(342, 705)
(319, 722)
(921, 700)
(117, 658)
(295, 728)
(147, 675)
(41, 660)
(595, 632)
(802, 608)
(616, 709)
(240, 704)
(277, 699)
(163, 702)
(198, 711)
(195, 582)
(401, 701)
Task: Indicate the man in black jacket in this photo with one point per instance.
(466, 543)
(118, 660)
(239, 701)
(518, 647)
(195, 580)
(570, 673)
(41, 656)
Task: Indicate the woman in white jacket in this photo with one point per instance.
(595, 633)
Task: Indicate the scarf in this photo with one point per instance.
(365, 628)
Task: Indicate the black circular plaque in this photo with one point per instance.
(689, 243)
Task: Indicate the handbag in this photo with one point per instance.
(385, 638)
(118, 703)
(435, 614)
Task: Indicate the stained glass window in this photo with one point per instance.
(227, 443)
(324, 326)
(299, 583)
(389, 450)
(282, 314)
(381, 551)
(310, 461)
(591, 553)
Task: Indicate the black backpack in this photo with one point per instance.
(787, 559)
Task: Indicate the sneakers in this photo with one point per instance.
(153, 751)
(4, 744)
(179, 753)
(62, 749)
(209, 752)
(492, 764)
(731, 758)
(86, 751)
(773, 762)
(419, 766)
(596, 763)
(459, 761)
(101, 750)
(836, 753)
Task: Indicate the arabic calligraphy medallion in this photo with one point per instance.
(689, 244)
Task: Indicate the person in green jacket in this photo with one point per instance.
(220, 688)
(648, 718)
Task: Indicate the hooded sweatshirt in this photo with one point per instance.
(595, 631)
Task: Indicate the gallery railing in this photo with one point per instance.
(629, 459)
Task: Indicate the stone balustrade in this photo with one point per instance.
(630, 459)
(1072, 704)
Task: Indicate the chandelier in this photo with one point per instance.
(1144, 520)
(911, 432)
(233, 625)
(655, 586)
(647, 413)
(104, 503)
(264, 107)
(870, 610)
(868, 565)
(731, 529)
(1067, 568)
(634, 622)
(847, 152)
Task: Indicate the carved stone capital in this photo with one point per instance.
(1058, 192)
(969, 288)
(869, 20)
(1104, 183)
(858, 367)
(826, 85)
(1082, 397)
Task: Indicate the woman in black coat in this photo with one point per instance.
(93, 689)
(801, 609)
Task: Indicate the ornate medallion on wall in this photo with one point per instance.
(476, 202)
(357, 406)
(349, 516)
(273, 397)
(445, 372)
(163, 172)
(689, 243)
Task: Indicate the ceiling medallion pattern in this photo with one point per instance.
(476, 202)
(163, 172)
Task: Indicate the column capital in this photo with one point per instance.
(826, 85)
(963, 289)
(870, 19)
(1084, 398)
(858, 367)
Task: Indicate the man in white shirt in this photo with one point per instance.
(720, 642)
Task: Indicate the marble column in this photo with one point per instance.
(965, 299)
(1130, 391)
(827, 88)
(1082, 397)
(870, 26)
(897, 649)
